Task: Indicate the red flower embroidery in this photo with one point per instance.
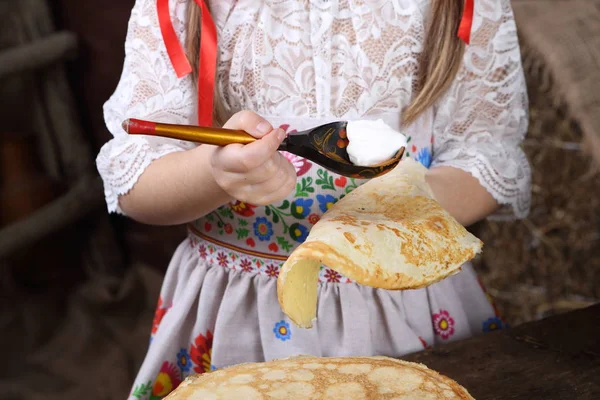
(202, 251)
(243, 209)
(250, 242)
(332, 276)
(424, 343)
(159, 313)
(341, 181)
(443, 324)
(313, 218)
(201, 352)
(167, 380)
(207, 226)
(222, 259)
(246, 265)
(273, 247)
(414, 148)
(272, 271)
(228, 229)
(302, 165)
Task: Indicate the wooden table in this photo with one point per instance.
(555, 358)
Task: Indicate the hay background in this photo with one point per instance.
(550, 262)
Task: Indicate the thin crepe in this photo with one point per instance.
(389, 233)
(304, 377)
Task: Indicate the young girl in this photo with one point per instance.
(298, 64)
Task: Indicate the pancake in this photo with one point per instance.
(389, 233)
(316, 378)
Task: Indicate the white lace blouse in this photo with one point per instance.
(329, 59)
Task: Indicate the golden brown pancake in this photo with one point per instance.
(316, 378)
(389, 233)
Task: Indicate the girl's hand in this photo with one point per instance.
(254, 173)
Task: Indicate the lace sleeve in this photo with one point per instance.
(148, 89)
(482, 120)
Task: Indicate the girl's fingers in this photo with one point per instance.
(250, 122)
(245, 158)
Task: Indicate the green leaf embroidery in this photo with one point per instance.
(277, 216)
(221, 232)
(242, 222)
(324, 180)
(226, 212)
(284, 244)
(408, 139)
(142, 390)
(242, 233)
(210, 217)
(351, 186)
(304, 188)
(284, 205)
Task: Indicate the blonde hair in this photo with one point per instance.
(438, 65)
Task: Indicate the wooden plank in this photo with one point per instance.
(555, 358)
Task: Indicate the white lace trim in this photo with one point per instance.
(121, 163)
(330, 59)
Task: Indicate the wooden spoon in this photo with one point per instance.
(324, 145)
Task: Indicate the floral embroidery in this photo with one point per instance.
(301, 165)
(202, 251)
(313, 219)
(424, 157)
(326, 201)
(263, 229)
(443, 324)
(255, 239)
(167, 380)
(282, 331)
(201, 352)
(243, 209)
(298, 232)
(184, 362)
(158, 315)
(426, 346)
(142, 390)
(493, 324)
(253, 264)
(246, 265)
(300, 208)
(332, 276)
(272, 271)
(222, 259)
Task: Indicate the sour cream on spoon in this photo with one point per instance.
(372, 142)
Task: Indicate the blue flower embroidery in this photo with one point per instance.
(298, 232)
(184, 360)
(301, 208)
(263, 229)
(325, 201)
(213, 368)
(492, 324)
(424, 157)
(282, 331)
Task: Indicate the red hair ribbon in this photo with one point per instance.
(208, 56)
(464, 29)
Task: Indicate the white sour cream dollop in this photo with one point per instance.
(372, 142)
